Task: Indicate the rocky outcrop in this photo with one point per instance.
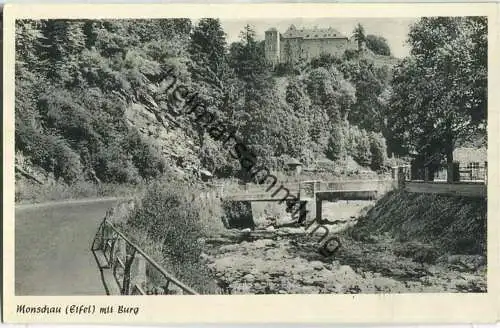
(177, 147)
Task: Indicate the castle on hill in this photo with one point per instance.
(305, 44)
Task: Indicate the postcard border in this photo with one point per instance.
(359, 308)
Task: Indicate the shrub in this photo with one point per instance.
(378, 45)
(336, 144)
(115, 165)
(378, 151)
(66, 163)
(362, 153)
(238, 214)
(144, 156)
(168, 216)
(193, 274)
(171, 214)
(172, 219)
(50, 151)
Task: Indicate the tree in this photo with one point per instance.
(208, 44)
(328, 89)
(439, 92)
(359, 35)
(370, 83)
(210, 71)
(64, 41)
(378, 45)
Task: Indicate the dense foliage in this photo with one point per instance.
(75, 81)
(73, 84)
(378, 45)
(439, 92)
(171, 224)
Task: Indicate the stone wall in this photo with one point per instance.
(293, 49)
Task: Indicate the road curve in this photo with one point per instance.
(52, 248)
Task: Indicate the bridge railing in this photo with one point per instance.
(134, 271)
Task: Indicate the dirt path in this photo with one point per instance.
(52, 247)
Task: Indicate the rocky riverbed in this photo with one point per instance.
(290, 264)
(286, 261)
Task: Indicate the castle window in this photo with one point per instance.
(307, 36)
(315, 35)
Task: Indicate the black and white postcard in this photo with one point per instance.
(250, 163)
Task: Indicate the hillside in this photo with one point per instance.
(101, 115)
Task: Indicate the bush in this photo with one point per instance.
(351, 54)
(378, 151)
(336, 144)
(378, 45)
(362, 153)
(114, 165)
(66, 163)
(193, 274)
(168, 215)
(49, 151)
(144, 156)
(238, 214)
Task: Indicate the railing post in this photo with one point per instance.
(126, 272)
(120, 251)
(113, 248)
(104, 235)
(138, 271)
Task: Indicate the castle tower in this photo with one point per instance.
(272, 46)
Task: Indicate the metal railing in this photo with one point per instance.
(134, 271)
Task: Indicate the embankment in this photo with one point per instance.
(451, 224)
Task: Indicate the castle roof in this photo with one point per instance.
(313, 33)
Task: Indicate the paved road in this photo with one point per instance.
(53, 241)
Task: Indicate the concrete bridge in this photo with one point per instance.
(311, 194)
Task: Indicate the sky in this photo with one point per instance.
(395, 30)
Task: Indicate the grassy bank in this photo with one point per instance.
(170, 222)
(444, 224)
(28, 193)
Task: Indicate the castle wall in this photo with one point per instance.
(297, 45)
(290, 50)
(314, 48)
(293, 49)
